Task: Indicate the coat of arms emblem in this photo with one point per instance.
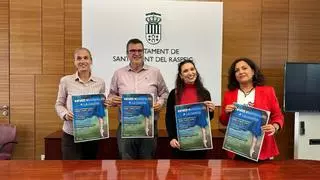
(153, 28)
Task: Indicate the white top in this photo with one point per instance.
(246, 99)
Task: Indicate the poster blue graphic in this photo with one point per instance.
(244, 135)
(137, 116)
(193, 127)
(90, 118)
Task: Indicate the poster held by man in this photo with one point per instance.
(137, 116)
(90, 117)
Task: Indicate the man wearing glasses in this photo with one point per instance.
(137, 77)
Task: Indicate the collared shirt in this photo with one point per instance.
(148, 80)
(72, 85)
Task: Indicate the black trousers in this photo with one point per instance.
(78, 151)
(137, 148)
(177, 154)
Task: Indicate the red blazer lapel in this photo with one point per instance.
(261, 99)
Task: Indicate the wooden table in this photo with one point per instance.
(108, 148)
(159, 169)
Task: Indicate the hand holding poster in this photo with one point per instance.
(90, 118)
(244, 135)
(137, 116)
(193, 127)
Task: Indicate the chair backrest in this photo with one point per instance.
(8, 133)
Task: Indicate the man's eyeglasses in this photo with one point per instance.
(132, 51)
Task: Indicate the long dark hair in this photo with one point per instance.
(257, 79)
(180, 85)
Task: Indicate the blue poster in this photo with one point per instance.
(244, 134)
(90, 118)
(193, 127)
(137, 116)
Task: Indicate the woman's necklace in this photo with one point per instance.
(248, 92)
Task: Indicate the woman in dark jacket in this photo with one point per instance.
(188, 89)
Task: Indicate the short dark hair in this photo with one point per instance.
(180, 85)
(257, 79)
(134, 41)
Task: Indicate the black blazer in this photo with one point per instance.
(171, 117)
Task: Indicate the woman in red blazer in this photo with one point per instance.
(246, 86)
